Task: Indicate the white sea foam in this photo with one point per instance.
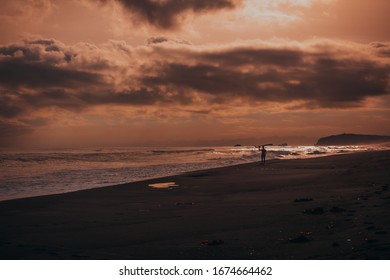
(34, 173)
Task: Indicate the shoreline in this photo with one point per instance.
(101, 185)
(152, 179)
(330, 207)
(48, 174)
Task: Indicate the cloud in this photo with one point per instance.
(321, 77)
(40, 78)
(20, 73)
(383, 49)
(162, 39)
(43, 73)
(167, 14)
(9, 104)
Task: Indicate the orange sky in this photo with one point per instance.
(196, 72)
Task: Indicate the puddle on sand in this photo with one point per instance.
(166, 185)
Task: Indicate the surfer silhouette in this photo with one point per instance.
(263, 154)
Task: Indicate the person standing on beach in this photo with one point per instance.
(263, 154)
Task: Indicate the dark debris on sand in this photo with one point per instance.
(315, 211)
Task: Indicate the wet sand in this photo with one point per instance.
(334, 207)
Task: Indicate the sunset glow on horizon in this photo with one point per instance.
(151, 73)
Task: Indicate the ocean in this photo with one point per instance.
(35, 173)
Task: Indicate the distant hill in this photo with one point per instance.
(352, 139)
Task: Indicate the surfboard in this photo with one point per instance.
(258, 146)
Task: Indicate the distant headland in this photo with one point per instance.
(352, 139)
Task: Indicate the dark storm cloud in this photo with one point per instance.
(35, 74)
(32, 64)
(33, 78)
(136, 97)
(205, 78)
(252, 56)
(29, 49)
(318, 79)
(10, 104)
(332, 82)
(166, 14)
(19, 72)
(18, 103)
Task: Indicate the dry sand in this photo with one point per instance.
(334, 207)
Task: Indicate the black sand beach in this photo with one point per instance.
(334, 207)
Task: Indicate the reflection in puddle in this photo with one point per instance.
(163, 185)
